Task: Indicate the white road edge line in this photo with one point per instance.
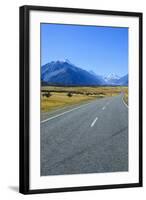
(64, 113)
(124, 102)
(94, 122)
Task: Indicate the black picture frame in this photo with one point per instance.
(24, 98)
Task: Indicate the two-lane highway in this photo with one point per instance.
(89, 138)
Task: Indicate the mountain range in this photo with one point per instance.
(64, 73)
(113, 79)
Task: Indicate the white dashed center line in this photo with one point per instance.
(104, 108)
(94, 121)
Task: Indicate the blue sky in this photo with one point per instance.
(103, 50)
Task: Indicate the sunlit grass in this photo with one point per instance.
(59, 100)
(59, 95)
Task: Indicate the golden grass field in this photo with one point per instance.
(60, 97)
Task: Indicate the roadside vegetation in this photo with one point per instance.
(53, 97)
(126, 95)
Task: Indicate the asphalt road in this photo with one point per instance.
(90, 138)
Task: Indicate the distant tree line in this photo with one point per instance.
(48, 94)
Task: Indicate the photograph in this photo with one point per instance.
(83, 99)
(80, 99)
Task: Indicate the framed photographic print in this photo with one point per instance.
(80, 99)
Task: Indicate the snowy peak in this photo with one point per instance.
(65, 73)
(114, 79)
(111, 76)
(67, 61)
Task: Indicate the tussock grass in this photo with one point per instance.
(59, 100)
(59, 95)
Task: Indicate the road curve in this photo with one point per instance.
(91, 138)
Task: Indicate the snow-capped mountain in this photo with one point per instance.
(114, 79)
(65, 73)
(111, 77)
(123, 80)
